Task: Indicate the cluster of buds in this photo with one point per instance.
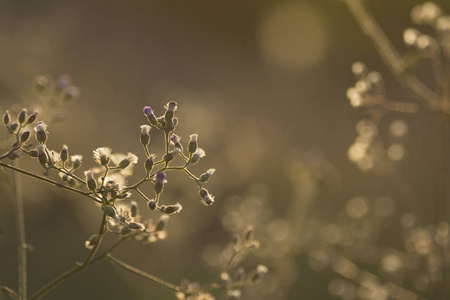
(18, 129)
(167, 122)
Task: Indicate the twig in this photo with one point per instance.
(390, 56)
(142, 273)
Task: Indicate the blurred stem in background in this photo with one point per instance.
(21, 240)
(435, 102)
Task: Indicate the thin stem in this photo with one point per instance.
(9, 291)
(69, 273)
(142, 273)
(101, 232)
(390, 56)
(87, 194)
(22, 246)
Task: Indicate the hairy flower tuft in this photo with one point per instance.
(102, 155)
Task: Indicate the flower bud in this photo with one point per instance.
(171, 107)
(34, 153)
(92, 242)
(63, 82)
(41, 132)
(42, 155)
(205, 176)
(64, 153)
(149, 163)
(162, 223)
(133, 208)
(248, 234)
(130, 159)
(171, 209)
(150, 116)
(90, 181)
(145, 135)
(171, 155)
(159, 182)
(197, 155)
(260, 271)
(175, 140)
(207, 199)
(71, 93)
(40, 84)
(32, 118)
(13, 127)
(102, 155)
(24, 136)
(135, 226)
(22, 116)
(6, 118)
(239, 275)
(193, 143)
(110, 212)
(151, 204)
(76, 161)
(125, 230)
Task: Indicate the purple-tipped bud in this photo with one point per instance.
(64, 153)
(25, 136)
(41, 132)
(6, 118)
(207, 199)
(21, 117)
(150, 116)
(175, 140)
(160, 177)
(159, 182)
(63, 82)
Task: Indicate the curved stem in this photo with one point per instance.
(101, 232)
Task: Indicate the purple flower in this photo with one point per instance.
(159, 177)
(148, 111)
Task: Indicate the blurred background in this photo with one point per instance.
(264, 85)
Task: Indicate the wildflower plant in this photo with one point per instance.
(108, 187)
